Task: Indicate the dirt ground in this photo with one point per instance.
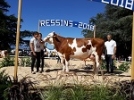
(53, 74)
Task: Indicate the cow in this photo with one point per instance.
(79, 48)
(20, 52)
(3, 53)
(53, 53)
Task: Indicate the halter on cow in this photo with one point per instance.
(79, 48)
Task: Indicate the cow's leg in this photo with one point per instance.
(67, 64)
(62, 59)
(63, 64)
(85, 63)
(67, 58)
(97, 64)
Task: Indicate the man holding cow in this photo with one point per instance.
(37, 48)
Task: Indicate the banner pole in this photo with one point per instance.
(38, 26)
(94, 31)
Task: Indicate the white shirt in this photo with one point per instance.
(37, 46)
(110, 45)
(129, 58)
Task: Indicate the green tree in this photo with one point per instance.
(116, 21)
(8, 27)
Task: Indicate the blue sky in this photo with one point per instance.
(76, 10)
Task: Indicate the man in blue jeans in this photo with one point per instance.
(110, 46)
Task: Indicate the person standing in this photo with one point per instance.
(42, 52)
(110, 46)
(35, 52)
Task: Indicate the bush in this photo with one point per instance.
(22, 90)
(103, 64)
(124, 66)
(7, 61)
(26, 62)
(126, 88)
(4, 83)
(17, 90)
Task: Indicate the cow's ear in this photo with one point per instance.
(54, 34)
(57, 38)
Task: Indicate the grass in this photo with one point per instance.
(82, 89)
(61, 87)
(102, 92)
(80, 92)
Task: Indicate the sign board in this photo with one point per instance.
(69, 23)
(128, 4)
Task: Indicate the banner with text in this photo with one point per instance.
(128, 4)
(69, 23)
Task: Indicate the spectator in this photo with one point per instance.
(110, 46)
(42, 52)
(129, 58)
(35, 52)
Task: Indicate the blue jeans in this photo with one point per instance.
(109, 63)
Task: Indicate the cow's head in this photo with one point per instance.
(50, 38)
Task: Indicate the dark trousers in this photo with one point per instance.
(109, 63)
(42, 60)
(35, 59)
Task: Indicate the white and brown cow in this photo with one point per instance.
(80, 48)
(3, 53)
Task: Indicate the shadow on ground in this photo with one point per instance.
(88, 71)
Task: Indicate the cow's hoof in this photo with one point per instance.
(67, 71)
(63, 71)
(95, 76)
